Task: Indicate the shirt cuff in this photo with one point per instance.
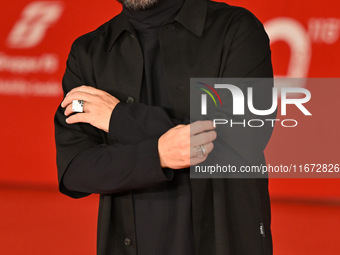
(116, 127)
(162, 174)
(114, 119)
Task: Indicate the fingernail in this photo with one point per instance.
(66, 120)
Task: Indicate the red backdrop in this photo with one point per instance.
(35, 38)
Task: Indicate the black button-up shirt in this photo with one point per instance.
(205, 39)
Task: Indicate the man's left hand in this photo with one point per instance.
(97, 108)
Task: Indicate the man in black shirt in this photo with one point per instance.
(134, 131)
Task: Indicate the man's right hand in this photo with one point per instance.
(180, 146)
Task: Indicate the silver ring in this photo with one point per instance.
(78, 105)
(202, 149)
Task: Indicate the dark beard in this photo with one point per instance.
(138, 4)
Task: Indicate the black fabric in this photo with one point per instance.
(205, 39)
(147, 24)
(166, 206)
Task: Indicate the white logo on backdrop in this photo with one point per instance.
(35, 19)
(296, 36)
(28, 32)
(300, 40)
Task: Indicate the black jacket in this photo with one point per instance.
(205, 39)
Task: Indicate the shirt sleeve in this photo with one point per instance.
(131, 123)
(116, 168)
(87, 163)
(249, 56)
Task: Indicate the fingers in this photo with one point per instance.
(97, 108)
(77, 96)
(81, 93)
(208, 147)
(179, 148)
(196, 152)
(79, 117)
(69, 109)
(87, 89)
(197, 156)
(202, 134)
(203, 138)
(85, 93)
(201, 126)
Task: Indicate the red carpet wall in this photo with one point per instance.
(35, 38)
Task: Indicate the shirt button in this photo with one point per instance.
(127, 242)
(177, 89)
(130, 100)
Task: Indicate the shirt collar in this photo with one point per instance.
(192, 16)
(115, 28)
